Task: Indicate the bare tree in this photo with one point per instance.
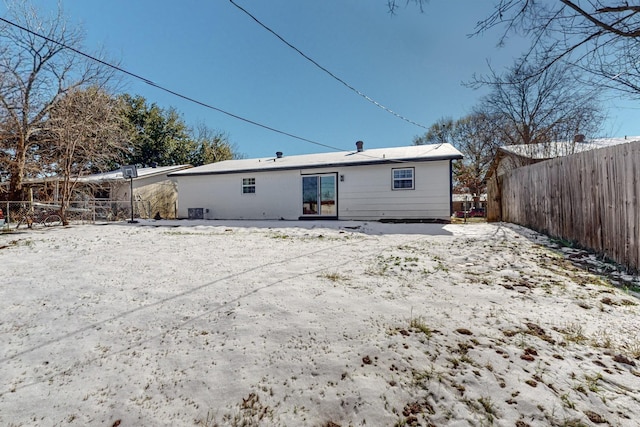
(533, 108)
(35, 72)
(477, 136)
(600, 37)
(520, 109)
(394, 5)
(85, 134)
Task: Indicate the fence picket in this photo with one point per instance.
(591, 198)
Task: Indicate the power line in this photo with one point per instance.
(193, 100)
(172, 92)
(374, 102)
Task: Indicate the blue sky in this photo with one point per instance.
(412, 63)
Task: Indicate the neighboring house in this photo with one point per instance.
(401, 183)
(151, 186)
(466, 201)
(510, 157)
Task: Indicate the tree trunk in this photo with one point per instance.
(16, 169)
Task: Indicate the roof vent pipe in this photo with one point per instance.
(359, 146)
(278, 154)
(578, 138)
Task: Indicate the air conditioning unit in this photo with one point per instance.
(196, 213)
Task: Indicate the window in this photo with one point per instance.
(248, 185)
(403, 179)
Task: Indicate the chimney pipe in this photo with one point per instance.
(278, 154)
(578, 138)
(359, 146)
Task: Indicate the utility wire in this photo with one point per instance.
(172, 92)
(188, 98)
(373, 101)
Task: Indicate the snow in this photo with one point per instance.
(309, 323)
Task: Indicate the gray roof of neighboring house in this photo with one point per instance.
(398, 155)
(555, 149)
(116, 175)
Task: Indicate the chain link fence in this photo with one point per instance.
(86, 211)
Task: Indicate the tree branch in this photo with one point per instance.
(602, 24)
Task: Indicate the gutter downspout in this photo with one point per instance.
(450, 188)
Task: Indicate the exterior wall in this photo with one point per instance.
(277, 195)
(159, 191)
(365, 193)
(162, 198)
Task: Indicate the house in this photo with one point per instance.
(510, 157)
(465, 201)
(111, 189)
(400, 183)
(514, 156)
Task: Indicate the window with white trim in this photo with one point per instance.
(402, 179)
(248, 185)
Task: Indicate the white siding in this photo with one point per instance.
(277, 195)
(365, 194)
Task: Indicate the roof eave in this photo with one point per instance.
(320, 166)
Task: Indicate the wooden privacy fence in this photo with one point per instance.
(591, 198)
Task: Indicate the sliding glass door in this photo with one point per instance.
(319, 195)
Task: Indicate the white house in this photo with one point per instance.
(384, 183)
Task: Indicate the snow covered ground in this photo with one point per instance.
(309, 324)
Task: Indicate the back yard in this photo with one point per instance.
(315, 324)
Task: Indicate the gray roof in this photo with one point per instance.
(555, 149)
(396, 155)
(116, 175)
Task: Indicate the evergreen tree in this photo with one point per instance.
(156, 136)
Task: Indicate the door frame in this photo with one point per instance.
(319, 216)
